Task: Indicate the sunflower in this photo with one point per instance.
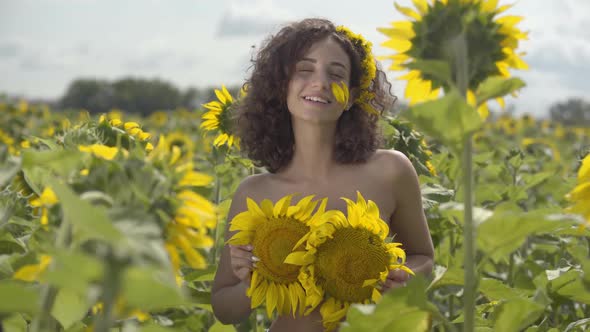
(33, 272)
(188, 231)
(45, 201)
(345, 258)
(180, 145)
(100, 151)
(491, 42)
(218, 118)
(273, 231)
(580, 195)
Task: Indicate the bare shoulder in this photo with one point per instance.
(253, 186)
(392, 164)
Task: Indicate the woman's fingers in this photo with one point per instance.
(398, 275)
(242, 261)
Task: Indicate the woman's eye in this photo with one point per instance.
(338, 76)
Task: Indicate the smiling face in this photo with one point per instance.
(309, 94)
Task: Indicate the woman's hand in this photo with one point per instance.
(395, 278)
(242, 262)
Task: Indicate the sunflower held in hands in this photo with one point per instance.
(345, 258)
(273, 231)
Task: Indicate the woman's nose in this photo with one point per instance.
(321, 80)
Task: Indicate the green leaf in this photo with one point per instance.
(571, 286)
(69, 307)
(578, 323)
(449, 118)
(517, 314)
(23, 297)
(495, 290)
(50, 144)
(505, 232)
(76, 270)
(401, 309)
(62, 162)
(147, 289)
(14, 323)
(157, 328)
(532, 180)
(449, 276)
(218, 327)
(9, 245)
(91, 219)
(497, 86)
(438, 69)
(202, 275)
(8, 172)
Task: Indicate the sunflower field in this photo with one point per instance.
(113, 222)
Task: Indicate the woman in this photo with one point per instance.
(291, 123)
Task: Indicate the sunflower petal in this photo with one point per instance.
(298, 258)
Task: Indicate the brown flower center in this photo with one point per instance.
(344, 262)
(273, 242)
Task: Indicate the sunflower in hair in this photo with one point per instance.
(345, 258)
(273, 231)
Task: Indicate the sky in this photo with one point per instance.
(45, 44)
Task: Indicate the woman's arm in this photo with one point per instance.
(409, 224)
(228, 294)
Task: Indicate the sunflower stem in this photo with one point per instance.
(111, 286)
(217, 247)
(469, 239)
(43, 321)
(459, 49)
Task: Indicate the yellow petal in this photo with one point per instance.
(272, 298)
(254, 208)
(266, 206)
(489, 6)
(376, 295)
(130, 125)
(298, 258)
(259, 294)
(282, 205)
(226, 93)
(483, 111)
(584, 171)
(398, 44)
(408, 12)
(396, 33)
(421, 5)
(471, 98)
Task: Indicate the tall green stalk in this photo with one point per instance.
(111, 285)
(459, 46)
(43, 320)
(219, 157)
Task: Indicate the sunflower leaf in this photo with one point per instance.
(496, 87)
(517, 314)
(449, 118)
(438, 69)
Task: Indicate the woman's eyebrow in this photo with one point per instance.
(333, 63)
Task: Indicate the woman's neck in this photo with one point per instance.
(313, 157)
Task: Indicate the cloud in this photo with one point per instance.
(10, 49)
(159, 60)
(251, 18)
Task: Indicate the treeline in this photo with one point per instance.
(135, 95)
(145, 96)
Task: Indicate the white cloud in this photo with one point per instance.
(251, 18)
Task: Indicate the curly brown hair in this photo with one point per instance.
(263, 121)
